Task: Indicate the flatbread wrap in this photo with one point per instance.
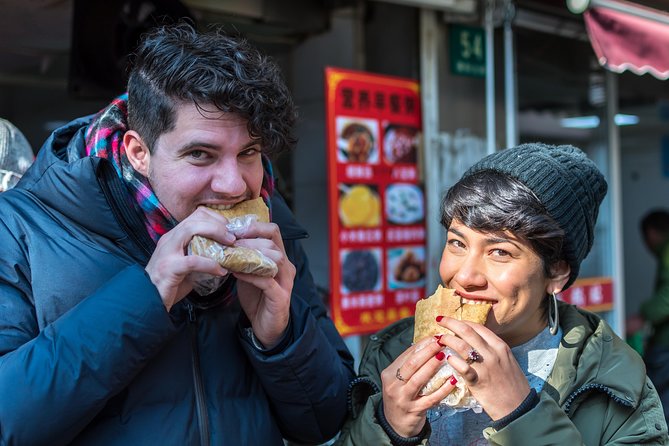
(238, 258)
(444, 302)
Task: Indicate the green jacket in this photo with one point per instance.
(597, 393)
(656, 309)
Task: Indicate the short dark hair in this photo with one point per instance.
(657, 219)
(176, 64)
(492, 201)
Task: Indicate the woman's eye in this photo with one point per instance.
(500, 253)
(454, 243)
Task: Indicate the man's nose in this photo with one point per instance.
(227, 179)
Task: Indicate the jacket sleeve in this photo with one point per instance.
(53, 382)
(604, 422)
(307, 381)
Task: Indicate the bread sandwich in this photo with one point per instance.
(238, 258)
(444, 302)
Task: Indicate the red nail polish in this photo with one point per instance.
(454, 380)
(437, 337)
(439, 318)
(447, 356)
(440, 355)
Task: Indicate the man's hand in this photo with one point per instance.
(266, 300)
(169, 267)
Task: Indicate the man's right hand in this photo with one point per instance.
(170, 267)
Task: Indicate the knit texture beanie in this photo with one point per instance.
(568, 184)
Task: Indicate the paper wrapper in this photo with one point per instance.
(238, 259)
(445, 303)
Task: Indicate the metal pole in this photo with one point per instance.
(580, 6)
(510, 79)
(490, 76)
(429, 87)
(615, 181)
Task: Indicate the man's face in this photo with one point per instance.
(654, 240)
(209, 159)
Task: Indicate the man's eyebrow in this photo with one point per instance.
(207, 145)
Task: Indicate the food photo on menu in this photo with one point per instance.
(360, 270)
(359, 205)
(357, 140)
(406, 267)
(404, 204)
(400, 143)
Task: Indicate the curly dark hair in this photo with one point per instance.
(176, 64)
(495, 202)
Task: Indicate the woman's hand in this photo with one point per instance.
(404, 407)
(495, 379)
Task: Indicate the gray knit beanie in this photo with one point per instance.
(566, 181)
(16, 155)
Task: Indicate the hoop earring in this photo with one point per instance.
(553, 315)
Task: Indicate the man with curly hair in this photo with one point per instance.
(104, 336)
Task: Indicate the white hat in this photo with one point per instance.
(16, 155)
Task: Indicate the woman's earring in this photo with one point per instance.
(553, 316)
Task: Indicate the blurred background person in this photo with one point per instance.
(655, 311)
(16, 155)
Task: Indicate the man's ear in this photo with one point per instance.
(137, 152)
(560, 272)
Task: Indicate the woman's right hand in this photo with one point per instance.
(403, 405)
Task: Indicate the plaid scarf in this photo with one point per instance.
(104, 139)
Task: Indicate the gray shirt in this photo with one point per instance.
(536, 359)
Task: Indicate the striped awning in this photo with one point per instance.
(629, 42)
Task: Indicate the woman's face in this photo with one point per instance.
(502, 270)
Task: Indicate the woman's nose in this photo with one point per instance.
(471, 271)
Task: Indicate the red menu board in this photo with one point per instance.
(376, 204)
(592, 293)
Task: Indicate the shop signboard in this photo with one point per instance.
(467, 50)
(375, 200)
(592, 293)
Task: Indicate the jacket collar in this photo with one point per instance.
(68, 184)
(592, 358)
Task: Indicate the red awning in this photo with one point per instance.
(627, 42)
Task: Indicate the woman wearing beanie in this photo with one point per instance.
(519, 222)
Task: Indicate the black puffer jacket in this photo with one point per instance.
(88, 354)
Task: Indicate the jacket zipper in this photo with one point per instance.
(201, 405)
(128, 220)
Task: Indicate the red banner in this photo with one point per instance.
(593, 294)
(376, 204)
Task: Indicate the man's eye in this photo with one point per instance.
(250, 152)
(197, 154)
